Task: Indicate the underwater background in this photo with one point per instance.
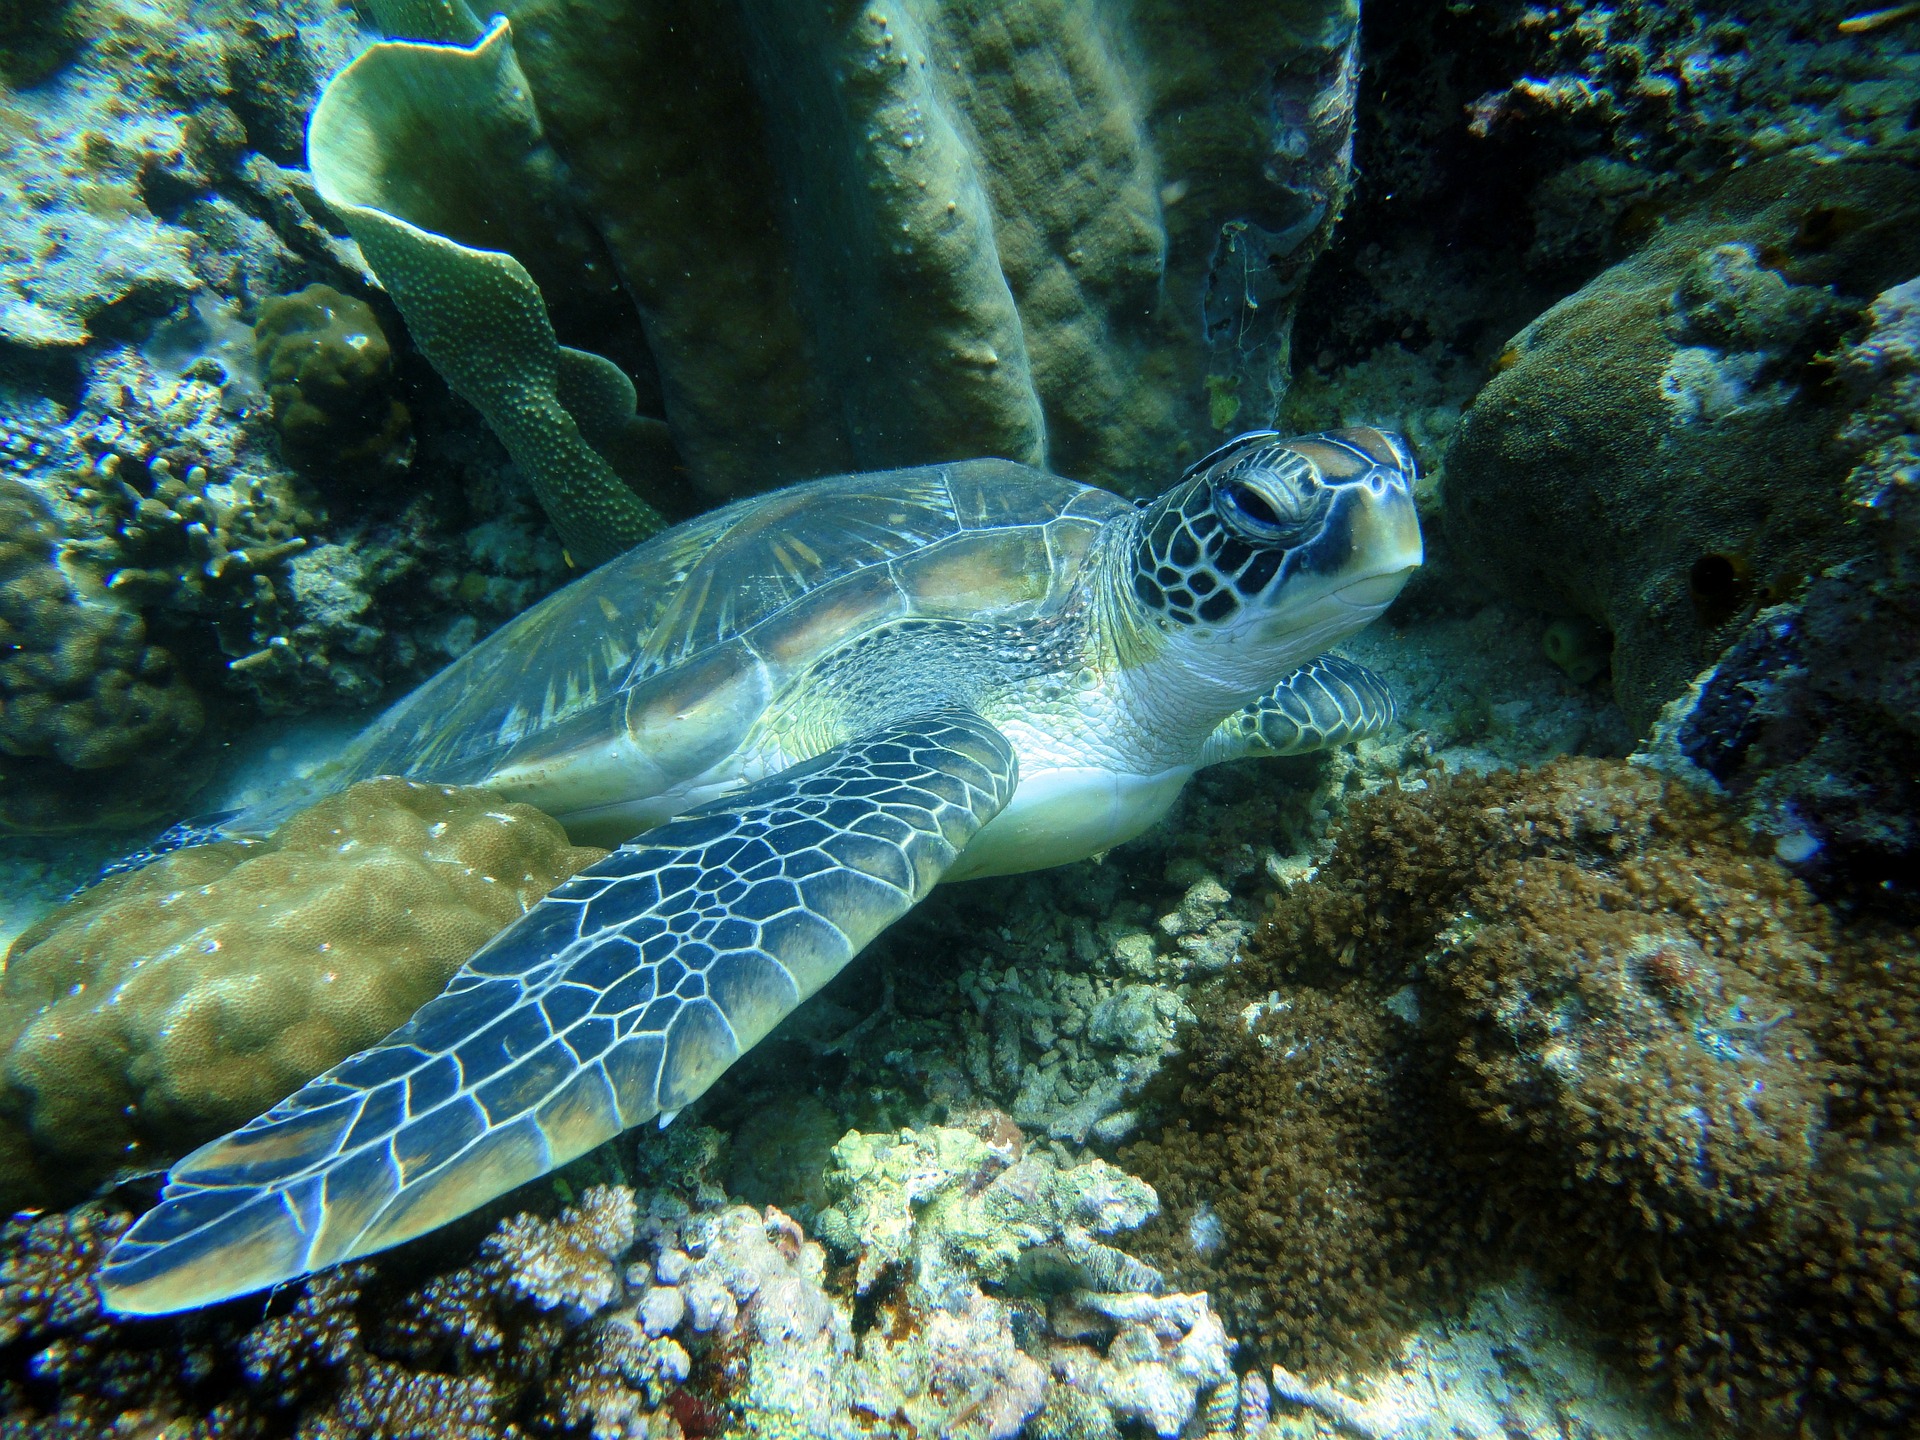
(1548, 1066)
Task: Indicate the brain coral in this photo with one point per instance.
(1575, 1019)
(81, 690)
(164, 1006)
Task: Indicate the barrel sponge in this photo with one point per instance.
(81, 690)
(162, 1007)
(329, 370)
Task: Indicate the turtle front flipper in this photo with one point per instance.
(620, 996)
(1322, 704)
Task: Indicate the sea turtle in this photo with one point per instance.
(798, 713)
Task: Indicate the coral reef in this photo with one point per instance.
(163, 1006)
(93, 718)
(1690, 87)
(642, 1314)
(1507, 152)
(862, 237)
(1578, 1010)
(474, 1352)
(127, 188)
(329, 370)
(1810, 717)
(1654, 456)
(173, 519)
(148, 218)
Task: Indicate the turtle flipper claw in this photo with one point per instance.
(620, 996)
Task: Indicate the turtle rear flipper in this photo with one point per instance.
(620, 996)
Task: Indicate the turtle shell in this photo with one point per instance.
(679, 644)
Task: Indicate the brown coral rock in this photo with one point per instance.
(162, 1007)
(1658, 458)
(329, 370)
(93, 719)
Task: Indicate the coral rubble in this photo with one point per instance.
(1577, 1010)
(163, 1006)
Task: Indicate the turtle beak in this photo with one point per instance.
(1376, 592)
(1372, 539)
(1386, 548)
(1383, 537)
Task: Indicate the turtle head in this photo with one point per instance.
(1269, 550)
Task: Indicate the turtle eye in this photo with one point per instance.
(1259, 517)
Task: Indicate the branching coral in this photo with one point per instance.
(175, 515)
(1579, 1010)
(473, 1354)
(84, 699)
(166, 1005)
(46, 1269)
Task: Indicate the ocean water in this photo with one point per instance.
(1370, 545)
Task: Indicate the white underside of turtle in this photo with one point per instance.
(793, 716)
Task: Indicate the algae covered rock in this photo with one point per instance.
(93, 719)
(1656, 453)
(164, 1006)
(329, 371)
(1812, 718)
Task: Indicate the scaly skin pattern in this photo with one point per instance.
(870, 742)
(620, 996)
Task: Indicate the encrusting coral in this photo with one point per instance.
(329, 371)
(93, 718)
(163, 1006)
(1579, 1013)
